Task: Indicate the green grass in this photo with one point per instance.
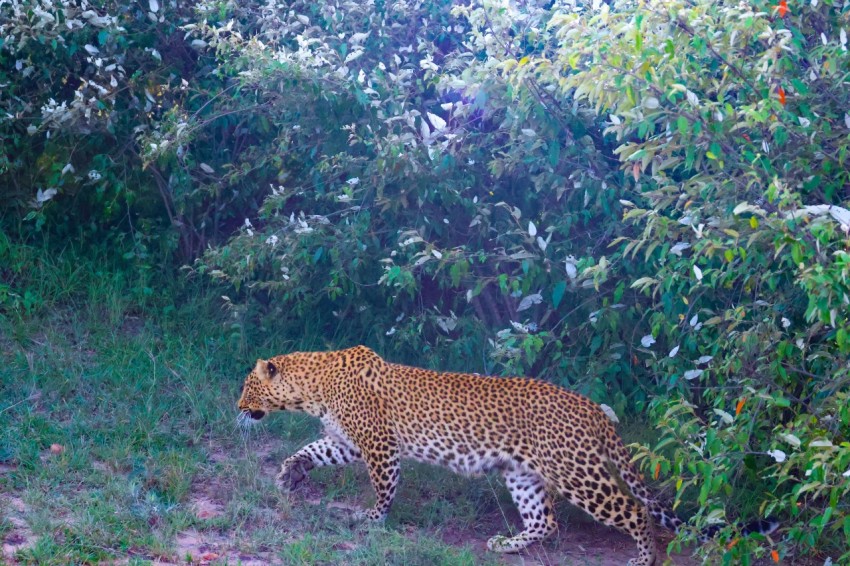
(117, 417)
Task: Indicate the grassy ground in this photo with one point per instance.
(118, 444)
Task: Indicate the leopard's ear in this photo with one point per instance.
(265, 369)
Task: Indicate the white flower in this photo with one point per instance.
(570, 265)
(679, 248)
(777, 455)
(44, 196)
(272, 240)
(609, 412)
(647, 341)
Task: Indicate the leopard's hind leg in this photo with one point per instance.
(598, 493)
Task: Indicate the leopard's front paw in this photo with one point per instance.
(291, 475)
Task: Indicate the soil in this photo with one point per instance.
(20, 537)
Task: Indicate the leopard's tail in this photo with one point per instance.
(620, 458)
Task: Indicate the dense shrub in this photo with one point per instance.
(80, 84)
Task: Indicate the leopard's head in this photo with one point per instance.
(278, 384)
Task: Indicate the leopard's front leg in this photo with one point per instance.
(384, 470)
(324, 452)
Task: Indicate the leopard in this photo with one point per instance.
(543, 439)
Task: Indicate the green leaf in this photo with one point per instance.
(554, 153)
(558, 293)
(841, 338)
(682, 125)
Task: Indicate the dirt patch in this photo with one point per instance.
(206, 497)
(218, 454)
(576, 543)
(205, 508)
(206, 548)
(20, 537)
(17, 504)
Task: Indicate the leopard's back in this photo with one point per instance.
(472, 423)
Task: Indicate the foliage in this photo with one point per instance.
(80, 83)
(643, 200)
(735, 132)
